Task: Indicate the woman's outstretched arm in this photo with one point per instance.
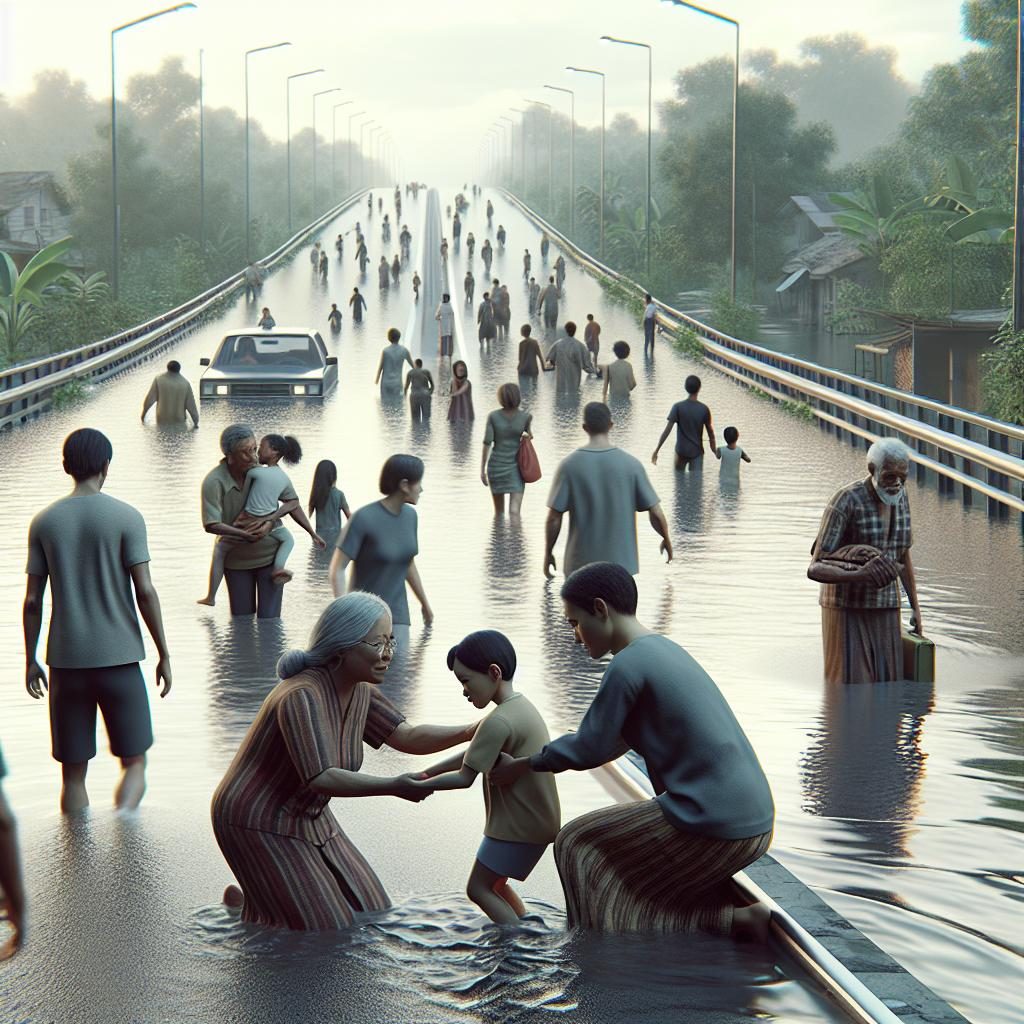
(429, 739)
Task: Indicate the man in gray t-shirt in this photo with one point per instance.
(92, 548)
(691, 417)
(602, 488)
(392, 359)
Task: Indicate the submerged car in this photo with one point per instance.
(283, 362)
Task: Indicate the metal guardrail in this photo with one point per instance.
(27, 389)
(984, 456)
(857, 1001)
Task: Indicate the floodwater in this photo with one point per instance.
(900, 804)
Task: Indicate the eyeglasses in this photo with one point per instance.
(388, 646)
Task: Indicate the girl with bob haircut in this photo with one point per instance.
(267, 485)
(381, 542)
(499, 465)
(325, 500)
(522, 819)
(271, 816)
(661, 865)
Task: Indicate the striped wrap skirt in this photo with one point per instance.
(626, 869)
(288, 882)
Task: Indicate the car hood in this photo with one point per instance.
(288, 373)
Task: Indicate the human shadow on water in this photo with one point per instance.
(243, 669)
(864, 765)
(507, 570)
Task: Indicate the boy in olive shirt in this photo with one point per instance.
(93, 550)
(522, 819)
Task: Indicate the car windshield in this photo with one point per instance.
(269, 351)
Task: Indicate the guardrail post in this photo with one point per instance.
(945, 423)
(996, 509)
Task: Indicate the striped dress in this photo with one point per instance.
(295, 866)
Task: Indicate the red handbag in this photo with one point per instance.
(529, 464)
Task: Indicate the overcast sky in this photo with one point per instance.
(437, 73)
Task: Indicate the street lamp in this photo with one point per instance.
(116, 268)
(650, 107)
(511, 142)
(334, 142)
(351, 180)
(362, 155)
(572, 154)
(522, 144)
(322, 92)
(202, 160)
(248, 179)
(735, 94)
(288, 133)
(591, 71)
(551, 146)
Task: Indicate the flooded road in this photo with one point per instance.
(900, 804)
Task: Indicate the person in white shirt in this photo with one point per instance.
(650, 323)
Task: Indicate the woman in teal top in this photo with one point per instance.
(505, 429)
(381, 542)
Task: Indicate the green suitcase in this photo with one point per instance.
(918, 658)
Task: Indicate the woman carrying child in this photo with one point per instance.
(265, 484)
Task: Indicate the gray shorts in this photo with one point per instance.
(510, 859)
(120, 693)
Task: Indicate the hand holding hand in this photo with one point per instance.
(508, 769)
(408, 787)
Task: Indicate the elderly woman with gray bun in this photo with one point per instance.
(295, 866)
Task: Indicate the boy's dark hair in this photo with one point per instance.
(418, 363)
(86, 451)
(621, 349)
(399, 468)
(604, 580)
(525, 330)
(570, 328)
(732, 435)
(174, 366)
(590, 316)
(692, 384)
(647, 297)
(483, 648)
(597, 418)
(394, 334)
(286, 446)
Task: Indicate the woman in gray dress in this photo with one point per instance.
(485, 317)
(505, 429)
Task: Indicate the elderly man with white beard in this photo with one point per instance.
(862, 549)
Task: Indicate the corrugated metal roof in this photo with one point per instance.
(825, 256)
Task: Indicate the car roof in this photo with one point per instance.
(277, 329)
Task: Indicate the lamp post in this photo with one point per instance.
(650, 107)
(288, 132)
(511, 143)
(362, 155)
(351, 180)
(202, 160)
(735, 95)
(551, 147)
(572, 153)
(334, 142)
(1018, 190)
(591, 71)
(316, 95)
(522, 145)
(248, 177)
(115, 275)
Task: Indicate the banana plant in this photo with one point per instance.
(977, 217)
(22, 294)
(872, 218)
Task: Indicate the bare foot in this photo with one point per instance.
(233, 896)
(751, 924)
(281, 576)
(208, 601)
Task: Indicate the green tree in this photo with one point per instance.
(22, 295)
(872, 217)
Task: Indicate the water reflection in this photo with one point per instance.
(865, 764)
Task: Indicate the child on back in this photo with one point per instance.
(731, 455)
(265, 486)
(523, 818)
(325, 500)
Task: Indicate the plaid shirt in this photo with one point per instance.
(856, 516)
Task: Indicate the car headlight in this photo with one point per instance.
(298, 389)
(222, 389)
(208, 389)
(312, 389)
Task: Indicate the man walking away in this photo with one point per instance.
(93, 550)
(650, 323)
(172, 395)
(691, 417)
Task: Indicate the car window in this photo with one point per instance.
(267, 350)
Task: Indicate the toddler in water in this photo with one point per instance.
(522, 818)
(265, 483)
(731, 455)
